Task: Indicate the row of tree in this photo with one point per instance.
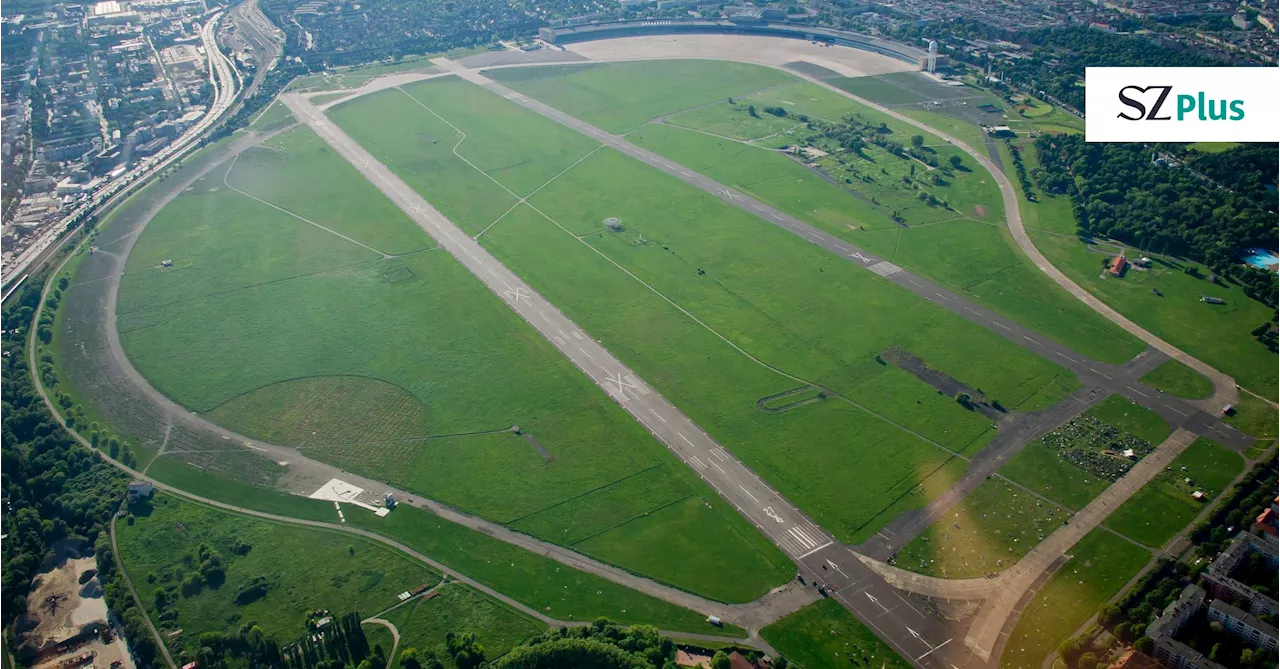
(1142, 196)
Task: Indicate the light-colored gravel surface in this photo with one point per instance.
(774, 51)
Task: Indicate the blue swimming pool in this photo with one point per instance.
(1262, 258)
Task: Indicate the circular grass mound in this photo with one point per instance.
(351, 421)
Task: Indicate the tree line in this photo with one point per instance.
(52, 488)
(1145, 197)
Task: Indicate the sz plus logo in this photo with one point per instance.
(1140, 108)
(1182, 104)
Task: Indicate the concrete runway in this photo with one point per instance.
(907, 624)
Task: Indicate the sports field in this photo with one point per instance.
(704, 279)
(203, 570)
(1074, 463)
(357, 343)
(1101, 563)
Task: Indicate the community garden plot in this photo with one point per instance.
(1081, 458)
(400, 367)
(669, 236)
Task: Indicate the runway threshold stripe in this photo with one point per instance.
(801, 557)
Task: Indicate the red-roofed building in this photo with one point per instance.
(1118, 265)
(1266, 521)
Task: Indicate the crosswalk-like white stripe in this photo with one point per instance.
(802, 538)
(698, 462)
(885, 268)
(804, 534)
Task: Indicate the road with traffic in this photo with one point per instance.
(226, 88)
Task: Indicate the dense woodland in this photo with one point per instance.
(52, 488)
(602, 645)
(1146, 197)
(1056, 57)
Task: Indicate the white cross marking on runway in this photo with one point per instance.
(858, 255)
(418, 208)
(516, 294)
(616, 377)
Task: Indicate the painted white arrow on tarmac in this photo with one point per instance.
(877, 603)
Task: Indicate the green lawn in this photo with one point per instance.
(718, 264)
(1254, 416)
(558, 591)
(402, 368)
(989, 271)
(1041, 467)
(618, 97)
(275, 115)
(423, 623)
(1217, 334)
(987, 532)
(1101, 563)
(305, 570)
(1178, 379)
(825, 635)
(1164, 506)
(532, 579)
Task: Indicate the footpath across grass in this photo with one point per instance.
(722, 267)
(403, 368)
(267, 573)
(538, 582)
(423, 623)
(1166, 505)
(1101, 563)
(1179, 380)
(824, 635)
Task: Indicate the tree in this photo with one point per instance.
(720, 660)
(917, 141)
(1087, 661)
(955, 161)
(1069, 649)
(409, 659)
(1144, 645)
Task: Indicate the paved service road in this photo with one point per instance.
(1120, 379)
(913, 632)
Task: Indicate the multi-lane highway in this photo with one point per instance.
(904, 624)
(225, 85)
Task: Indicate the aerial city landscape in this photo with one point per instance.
(376, 334)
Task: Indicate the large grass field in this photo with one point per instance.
(537, 581)
(824, 635)
(1164, 506)
(423, 623)
(305, 570)
(690, 272)
(1101, 563)
(858, 198)
(618, 97)
(1041, 467)
(989, 531)
(393, 361)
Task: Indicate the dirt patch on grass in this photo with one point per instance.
(979, 210)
